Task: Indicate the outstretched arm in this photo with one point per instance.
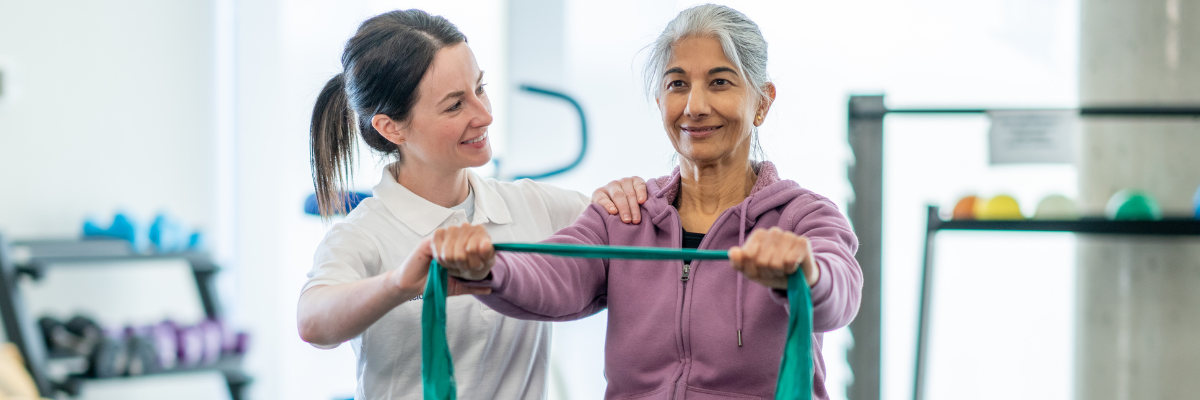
(528, 285)
(331, 314)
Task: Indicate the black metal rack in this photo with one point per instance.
(865, 133)
(22, 328)
(1093, 226)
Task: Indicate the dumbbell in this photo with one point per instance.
(190, 340)
(59, 341)
(166, 344)
(213, 333)
(143, 353)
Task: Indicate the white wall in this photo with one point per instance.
(116, 105)
(107, 106)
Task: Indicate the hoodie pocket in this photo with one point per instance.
(694, 393)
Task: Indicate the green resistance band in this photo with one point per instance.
(437, 369)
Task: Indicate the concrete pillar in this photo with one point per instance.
(1138, 321)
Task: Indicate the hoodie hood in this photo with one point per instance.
(769, 193)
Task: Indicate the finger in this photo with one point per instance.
(437, 245)
(778, 255)
(639, 187)
(635, 211)
(600, 196)
(736, 257)
(801, 253)
(620, 197)
(456, 249)
(474, 251)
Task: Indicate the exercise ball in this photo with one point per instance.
(965, 208)
(1133, 204)
(1056, 207)
(1001, 207)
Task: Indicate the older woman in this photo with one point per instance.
(703, 329)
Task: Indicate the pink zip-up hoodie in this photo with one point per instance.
(714, 335)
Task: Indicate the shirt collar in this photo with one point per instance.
(423, 216)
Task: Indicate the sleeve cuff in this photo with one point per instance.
(824, 286)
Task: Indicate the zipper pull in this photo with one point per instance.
(687, 267)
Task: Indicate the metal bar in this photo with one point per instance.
(865, 135)
(926, 302)
(1102, 111)
(22, 330)
(1173, 226)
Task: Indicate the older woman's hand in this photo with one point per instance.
(770, 256)
(465, 251)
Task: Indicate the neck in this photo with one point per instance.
(446, 188)
(711, 188)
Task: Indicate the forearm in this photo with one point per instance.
(328, 315)
(536, 287)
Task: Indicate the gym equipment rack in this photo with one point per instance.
(865, 134)
(22, 328)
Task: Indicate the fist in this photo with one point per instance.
(465, 251)
(770, 256)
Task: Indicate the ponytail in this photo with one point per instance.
(332, 141)
(382, 67)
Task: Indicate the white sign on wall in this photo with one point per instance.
(1023, 137)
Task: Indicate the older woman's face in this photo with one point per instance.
(707, 108)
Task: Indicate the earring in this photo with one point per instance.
(758, 118)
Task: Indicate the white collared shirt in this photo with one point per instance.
(494, 356)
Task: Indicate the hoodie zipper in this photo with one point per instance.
(687, 268)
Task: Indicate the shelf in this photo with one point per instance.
(1173, 226)
(61, 367)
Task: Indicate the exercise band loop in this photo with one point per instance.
(437, 369)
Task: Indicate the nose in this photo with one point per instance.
(482, 111)
(697, 105)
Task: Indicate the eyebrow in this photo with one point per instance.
(677, 70)
(460, 92)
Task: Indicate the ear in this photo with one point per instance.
(765, 105)
(391, 129)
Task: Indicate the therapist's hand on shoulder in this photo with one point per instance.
(770, 256)
(465, 251)
(411, 279)
(623, 196)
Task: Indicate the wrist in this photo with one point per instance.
(395, 285)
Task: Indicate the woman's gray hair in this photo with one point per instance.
(740, 38)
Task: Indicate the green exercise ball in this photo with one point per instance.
(1133, 204)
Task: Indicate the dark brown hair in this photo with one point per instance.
(381, 67)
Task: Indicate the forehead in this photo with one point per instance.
(452, 67)
(700, 53)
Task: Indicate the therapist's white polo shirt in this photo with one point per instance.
(495, 357)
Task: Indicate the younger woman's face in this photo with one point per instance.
(448, 126)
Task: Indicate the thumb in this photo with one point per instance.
(416, 267)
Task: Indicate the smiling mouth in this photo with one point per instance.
(476, 140)
(700, 130)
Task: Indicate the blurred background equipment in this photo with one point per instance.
(101, 318)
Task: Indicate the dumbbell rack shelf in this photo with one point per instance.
(23, 331)
(1088, 225)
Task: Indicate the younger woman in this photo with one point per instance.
(412, 89)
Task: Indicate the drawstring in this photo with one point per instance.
(741, 277)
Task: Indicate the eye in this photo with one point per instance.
(675, 84)
(457, 105)
(479, 90)
(720, 82)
